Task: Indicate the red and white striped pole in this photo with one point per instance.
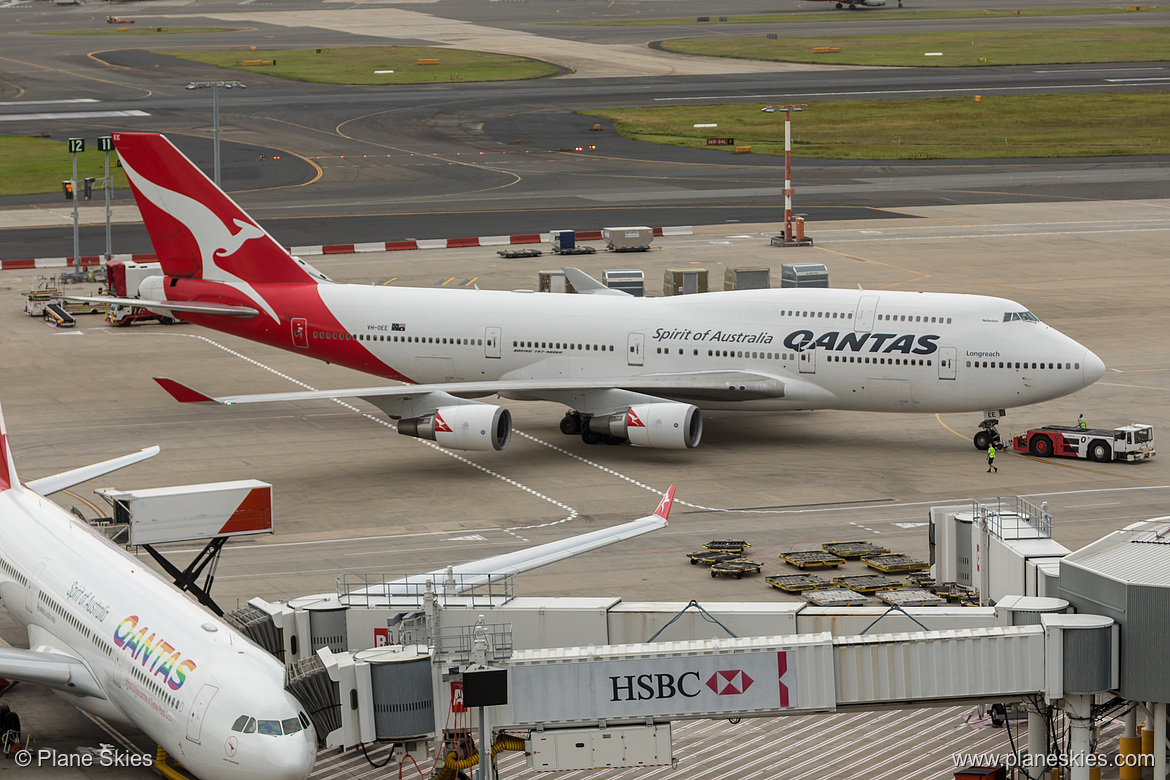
(788, 190)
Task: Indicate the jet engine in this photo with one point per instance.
(666, 425)
(873, 3)
(476, 427)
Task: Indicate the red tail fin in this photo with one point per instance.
(8, 478)
(196, 229)
(665, 504)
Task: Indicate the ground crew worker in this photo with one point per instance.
(991, 459)
(1082, 424)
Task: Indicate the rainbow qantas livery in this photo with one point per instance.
(118, 641)
(628, 369)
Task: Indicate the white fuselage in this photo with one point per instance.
(830, 348)
(161, 661)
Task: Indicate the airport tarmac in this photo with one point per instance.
(352, 496)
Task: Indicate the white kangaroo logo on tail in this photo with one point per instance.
(213, 236)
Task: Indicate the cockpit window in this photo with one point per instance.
(269, 727)
(1020, 316)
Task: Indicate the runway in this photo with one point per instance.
(325, 164)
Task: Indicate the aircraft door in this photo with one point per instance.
(808, 360)
(198, 710)
(34, 588)
(300, 333)
(866, 309)
(947, 358)
(635, 347)
(491, 342)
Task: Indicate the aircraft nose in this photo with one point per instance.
(292, 758)
(1094, 368)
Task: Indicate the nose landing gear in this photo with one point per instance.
(988, 433)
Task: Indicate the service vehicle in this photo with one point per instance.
(1129, 442)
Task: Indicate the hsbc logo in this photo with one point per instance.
(643, 687)
(729, 683)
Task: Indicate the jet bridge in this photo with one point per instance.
(594, 706)
(608, 698)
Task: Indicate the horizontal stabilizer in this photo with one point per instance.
(194, 307)
(67, 479)
(183, 394)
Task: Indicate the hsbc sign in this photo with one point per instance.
(663, 686)
(666, 686)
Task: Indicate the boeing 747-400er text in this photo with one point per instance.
(628, 368)
(118, 641)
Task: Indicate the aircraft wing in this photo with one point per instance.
(466, 576)
(52, 669)
(585, 284)
(194, 307)
(67, 479)
(694, 386)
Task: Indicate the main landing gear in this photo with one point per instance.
(574, 424)
(9, 725)
(988, 433)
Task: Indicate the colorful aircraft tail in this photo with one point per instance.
(197, 230)
(8, 478)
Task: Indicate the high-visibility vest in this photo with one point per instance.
(991, 450)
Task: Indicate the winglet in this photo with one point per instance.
(585, 284)
(183, 394)
(8, 478)
(664, 505)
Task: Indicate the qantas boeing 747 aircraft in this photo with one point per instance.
(117, 640)
(627, 368)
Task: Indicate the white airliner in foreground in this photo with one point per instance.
(636, 369)
(118, 641)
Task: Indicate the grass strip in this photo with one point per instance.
(886, 14)
(945, 49)
(1099, 125)
(375, 64)
(31, 166)
(125, 29)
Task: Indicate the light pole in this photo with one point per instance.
(215, 85)
(788, 239)
(106, 144)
